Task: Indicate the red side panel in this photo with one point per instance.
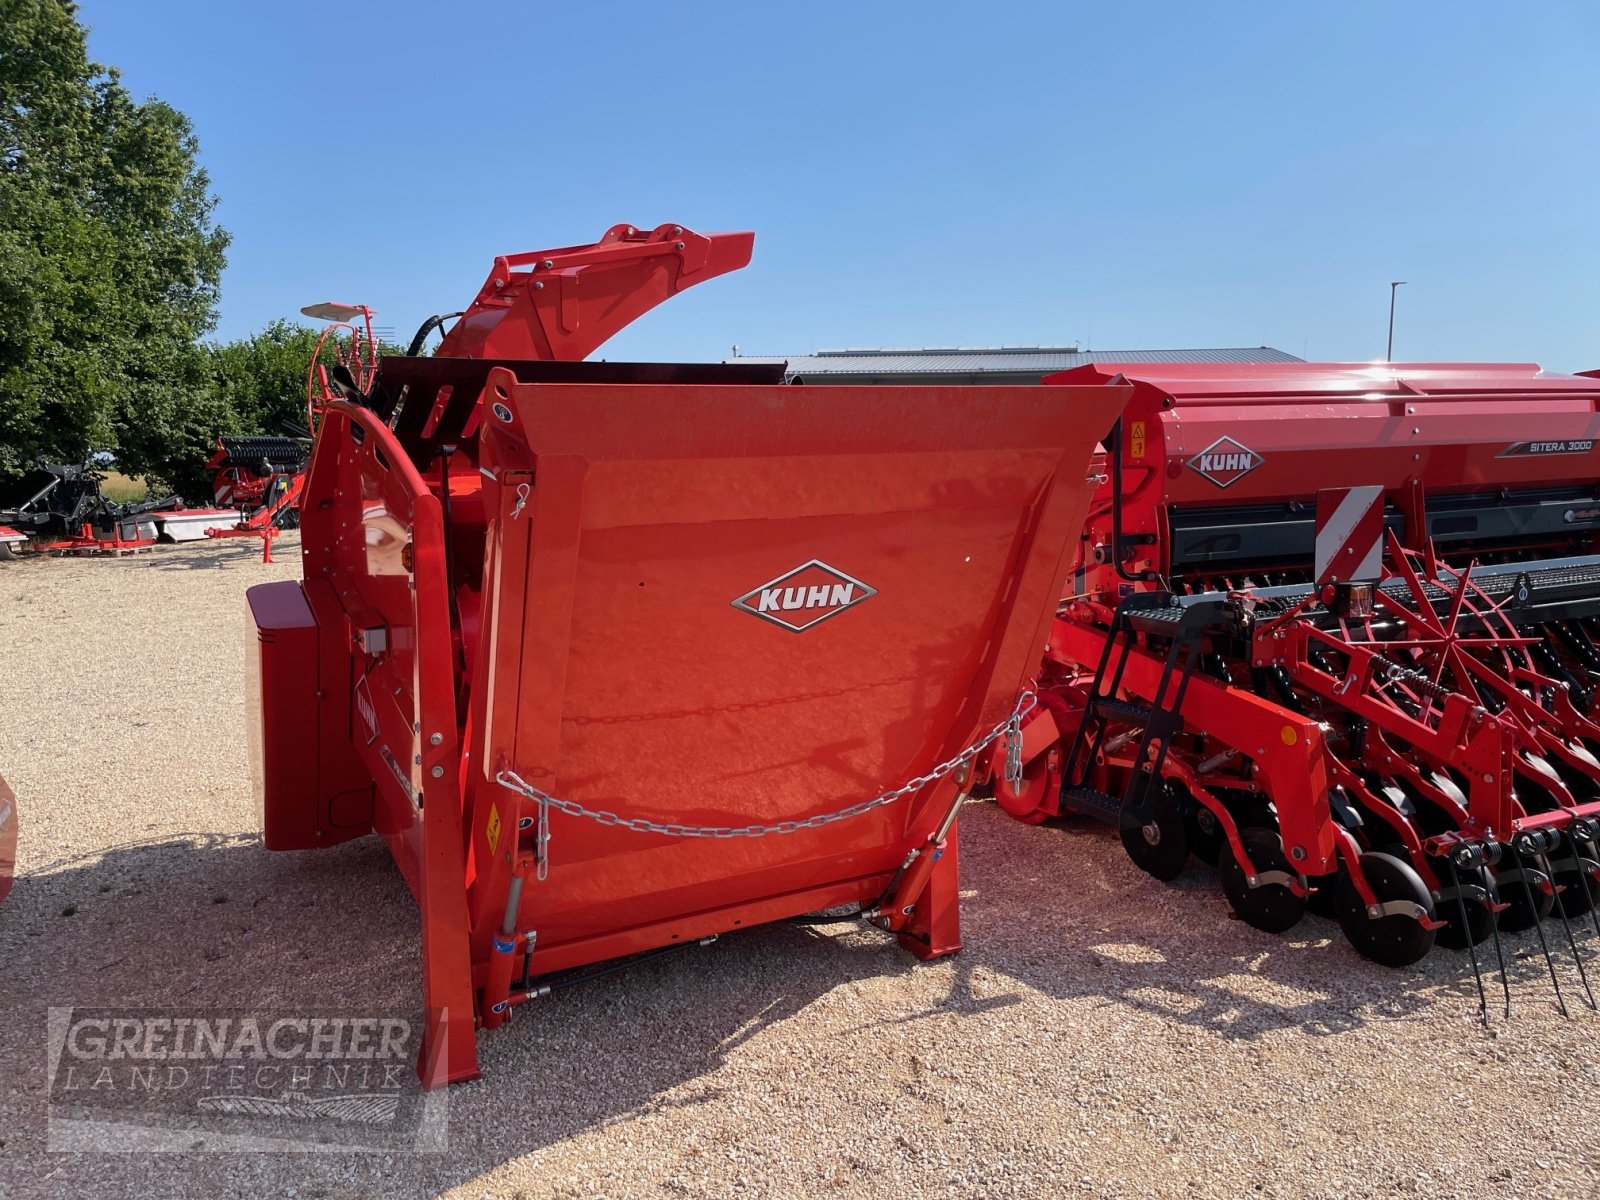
(310, 786)
(741, 605)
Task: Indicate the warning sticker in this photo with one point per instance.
(492, 830)
(1136, 439)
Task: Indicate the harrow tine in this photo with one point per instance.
(1477, 972)
(1499, 953)
(1538, 927)
(1585, 830)
(1561, 908)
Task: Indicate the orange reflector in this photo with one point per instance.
(1288, 735)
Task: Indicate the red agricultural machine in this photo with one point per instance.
(620, 657)
(60, 507)
(1332, 627)
(262, 477)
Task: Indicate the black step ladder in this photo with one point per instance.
(1160, 615)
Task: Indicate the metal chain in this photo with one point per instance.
(1010, 729)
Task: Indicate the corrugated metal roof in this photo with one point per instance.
(1011, 360)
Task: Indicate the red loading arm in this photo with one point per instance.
(563, 304)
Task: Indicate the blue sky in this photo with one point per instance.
(1119, 175)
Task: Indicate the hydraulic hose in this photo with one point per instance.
(428, 326)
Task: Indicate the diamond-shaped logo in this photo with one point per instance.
(805, 596)
(1225, 461)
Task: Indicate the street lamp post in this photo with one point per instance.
(1393, 286)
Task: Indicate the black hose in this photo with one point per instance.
(840, 919)
(428, 327)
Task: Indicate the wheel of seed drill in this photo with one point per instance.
(1478, 924)
(1394, 940)
(1272, 907)
(1514, 888)
(1159, 846)
(1567, 870)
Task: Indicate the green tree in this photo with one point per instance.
(261, 379)
(109, 261)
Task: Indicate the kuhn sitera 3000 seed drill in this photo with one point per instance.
(1332, 627)
(620, 657)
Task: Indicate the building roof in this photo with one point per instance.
(997, 360)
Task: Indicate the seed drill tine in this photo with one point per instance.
(1477, 973)
(1538, 926)
(1500, 955)
(1585, 830)
(1561, 908)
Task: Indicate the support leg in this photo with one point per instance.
(935, 928)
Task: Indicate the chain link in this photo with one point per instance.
(1010, 729)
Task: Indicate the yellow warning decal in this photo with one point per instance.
(1136, 439)
(492, 830)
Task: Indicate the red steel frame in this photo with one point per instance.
(1418, 431)
(1442, 426)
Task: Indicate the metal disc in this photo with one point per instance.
(1480, 917)
(1397, 940)
(1576, 898)
(1270, 907)
(1518, 915)
(1203, 830)
(1159, 847)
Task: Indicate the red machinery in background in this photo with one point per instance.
(263, 477)
(620, 657)
(1333, 626)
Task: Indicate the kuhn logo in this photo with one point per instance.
(805, 596)
(1225, 461)
(369, 714)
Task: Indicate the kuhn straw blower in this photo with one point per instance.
(619, 657)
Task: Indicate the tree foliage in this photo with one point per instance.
(110, 262)
(261, 379)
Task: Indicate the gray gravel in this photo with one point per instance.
(1103, 1034)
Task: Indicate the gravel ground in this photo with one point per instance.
(1102, 1034)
